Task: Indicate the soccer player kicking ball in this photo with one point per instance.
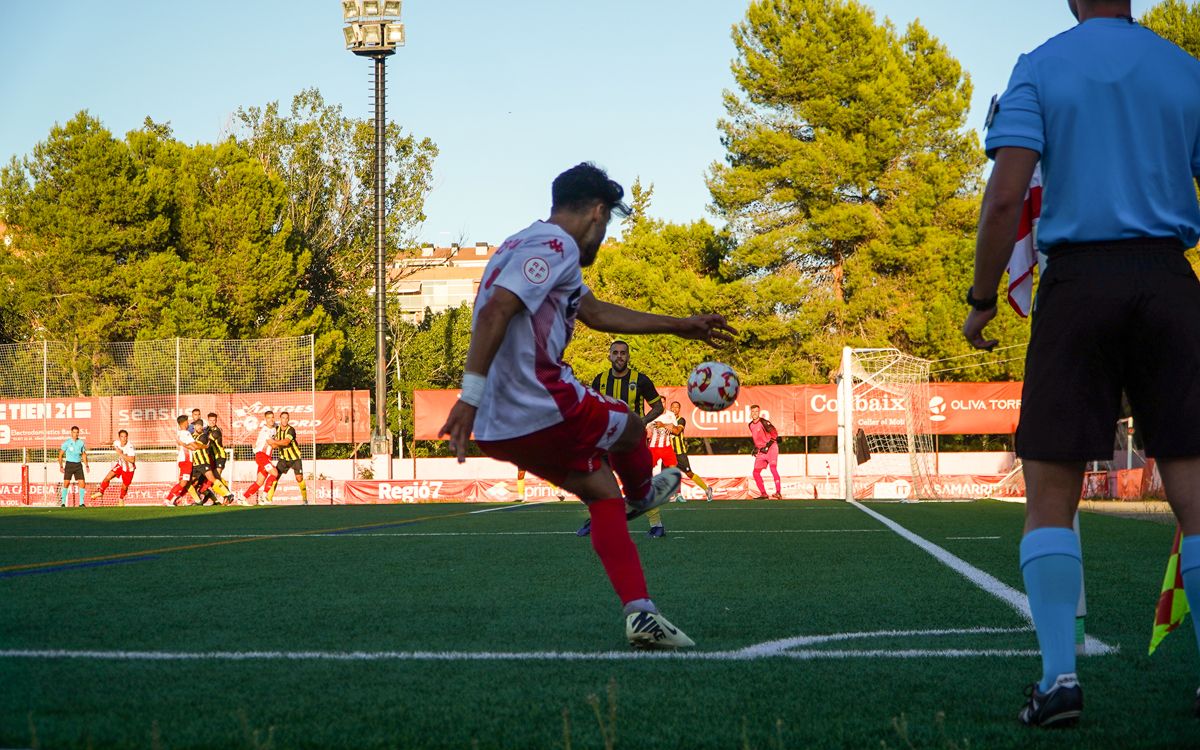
(534, 413)
(123, 468)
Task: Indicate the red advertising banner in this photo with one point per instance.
(334, 416)
(953, 409)
(414, 491)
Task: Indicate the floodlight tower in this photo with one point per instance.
(373, 29)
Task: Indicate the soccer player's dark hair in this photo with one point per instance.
(581, 186)
(268, 411)
(676, 403)
(618, 341)
(122, 432)
(182, 419)
(197, 409)
(212, 414)
(74, 427)
(753, 406)
(284, 412)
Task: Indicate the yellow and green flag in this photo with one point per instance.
(1172, 602)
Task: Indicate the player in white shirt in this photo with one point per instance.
(268, 475)
(184, 442)
(526, 406)
(659, 439)
(124, 467)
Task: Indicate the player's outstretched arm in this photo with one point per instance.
(486, 337)
(610, 318)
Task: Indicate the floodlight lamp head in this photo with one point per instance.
(352, 36)
(395, 35)
(391, 8)
(371, 8)
(372, 34)
(351, 9)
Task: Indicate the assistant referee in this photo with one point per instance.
(1112, 110)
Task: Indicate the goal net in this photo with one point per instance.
(141, 388)
(885, 438)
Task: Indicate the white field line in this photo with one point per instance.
(770, 649)
(514, 506)
(985, 581)
(973, 537)
(674, 532)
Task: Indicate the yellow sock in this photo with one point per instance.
(221, 489)
(521, 488)
(303, 490)
(192, 491)
(271, 492)
(655, 517)
(699, 482)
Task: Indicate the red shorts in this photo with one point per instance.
(264, 461)
(666, 454)
(125, 475)
(576, 444)
(185, 470)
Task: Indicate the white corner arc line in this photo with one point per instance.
(985, 581)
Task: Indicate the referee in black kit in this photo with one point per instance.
(1113, 112)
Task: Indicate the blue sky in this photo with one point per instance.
(512, 92)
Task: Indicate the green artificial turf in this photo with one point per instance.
(446, 579)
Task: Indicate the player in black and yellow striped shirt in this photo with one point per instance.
(202, 466)
(287, 451)
(634, 388)
(679, 444)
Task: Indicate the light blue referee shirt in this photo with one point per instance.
(73, 449)
(1114, 111)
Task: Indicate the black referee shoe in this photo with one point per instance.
(1060, 706)
(1196, 707)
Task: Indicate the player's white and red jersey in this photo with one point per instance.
(124, 453)
(659, 435)
(262, 450)
(265, 433)
(529, 387)
(183, 439)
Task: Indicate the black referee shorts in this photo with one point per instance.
(1113, 317)
(73, 470)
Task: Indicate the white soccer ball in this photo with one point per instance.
(713, 386)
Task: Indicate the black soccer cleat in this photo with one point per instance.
(1060, 706)
(656, 532)
(585, 529)
(1196, 706)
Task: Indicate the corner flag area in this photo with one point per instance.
(818, 624)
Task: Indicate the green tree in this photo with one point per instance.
(851, 178)
(84, 215)
(324, 160)
(1178, 21)
(148, 238)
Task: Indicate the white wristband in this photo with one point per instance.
(472, 388)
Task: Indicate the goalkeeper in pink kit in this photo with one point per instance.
(766, 453)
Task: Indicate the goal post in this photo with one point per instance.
(883, 423)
